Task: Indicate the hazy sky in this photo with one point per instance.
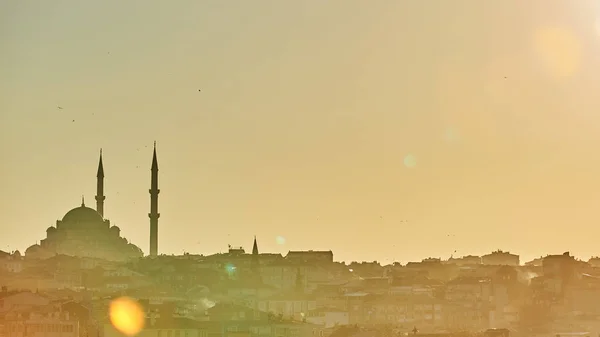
(327, 123)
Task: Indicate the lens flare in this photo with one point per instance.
(230, 268)
(410, 161)
(127, 316)
(450, 135)
(559, 50)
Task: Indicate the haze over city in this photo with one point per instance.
(382, 131)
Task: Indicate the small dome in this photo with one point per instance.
(49, 230)
(82, 214)
(32, 249)
(116, 231)
(135, 250)
(17, 253)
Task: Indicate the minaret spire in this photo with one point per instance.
(154, 161)
(254, 262)
(154, 215)
(82, 201)
(100, 187)
(255, 247)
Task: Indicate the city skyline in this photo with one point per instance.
(383, 132)
(154, 233)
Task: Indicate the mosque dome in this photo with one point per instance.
(51, 229)
(37, 252)
(32, 249)
(82, 214)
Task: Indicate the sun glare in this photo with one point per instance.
(127, 316)
(559, 50)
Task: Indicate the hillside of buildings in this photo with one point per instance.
(303, 293)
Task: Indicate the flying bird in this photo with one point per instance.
(59, 107)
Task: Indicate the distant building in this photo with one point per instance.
(594, 262)
(310, 256)
(9, 301)
(291, 305)
(12, 263)
(328, 317)
(535, 262)
(564, 267)
(469, 289)
(35, 323)
(469, 303)
(500, 258)
(465, 260)
(414, 285)
(85, 232)
(166, 327)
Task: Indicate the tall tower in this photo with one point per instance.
(154, 215)
(254, 262)
(100, 187)
(255, 248)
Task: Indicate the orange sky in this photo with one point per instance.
(307, 113)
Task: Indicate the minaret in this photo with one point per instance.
(255, 248)
(254, 263)
(100, 187)
(154, 215)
